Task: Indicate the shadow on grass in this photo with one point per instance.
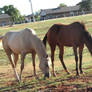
(68, 84)
(61, 83)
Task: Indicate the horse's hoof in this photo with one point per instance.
(81, 72)
(77, 75)
(37, 77)
(68, 73)
(18, 81)
(54, 74)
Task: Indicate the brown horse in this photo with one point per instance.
(72, 35)
(24, 42)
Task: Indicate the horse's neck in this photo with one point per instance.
(41, 53)
(40, 49)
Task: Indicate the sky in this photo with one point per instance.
(24, 6)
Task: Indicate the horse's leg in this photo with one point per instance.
(61, 58)
(9, 52)
(76, 59)
(33, 58)
(15, 59)
(15, 62)
(80, 57)
(52, 59)
(22, 63)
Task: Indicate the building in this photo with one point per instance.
(5, 19)
(29, 18)
(90, 4)
(85, 0)
(59, 12)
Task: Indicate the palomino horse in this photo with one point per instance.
(23, 42)
(72, 35)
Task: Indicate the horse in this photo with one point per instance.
(23, 42)
(72, 35)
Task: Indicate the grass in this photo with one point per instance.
(62, 82)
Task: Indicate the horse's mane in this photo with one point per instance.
(82, 24)
(56, 27)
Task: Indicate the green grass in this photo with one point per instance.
(55, 84)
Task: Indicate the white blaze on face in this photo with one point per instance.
(45, 64)
(49, 64)
(1, 46)
(49, 61)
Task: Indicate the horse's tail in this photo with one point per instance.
(1, 37)
(45, 39)
(88, 40)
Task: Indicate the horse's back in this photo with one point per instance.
(19, 41)
(66, 34)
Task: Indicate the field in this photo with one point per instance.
(62, 82)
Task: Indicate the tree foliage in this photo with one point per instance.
(1, 10)
(62, 5)
(13, 12)
(85, 5)
(37, 15)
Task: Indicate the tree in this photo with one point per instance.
(1, 10)
(85, 5)
(37, 15)
(62, 5)
(12, 11)
(21, 19)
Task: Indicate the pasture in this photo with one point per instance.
(62, 82)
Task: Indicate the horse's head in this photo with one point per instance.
(44, 65)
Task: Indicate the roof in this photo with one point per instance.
(60, 10)
(29, 15)
(4, 16)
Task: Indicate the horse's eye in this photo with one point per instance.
(46, 56)
(47, 65)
